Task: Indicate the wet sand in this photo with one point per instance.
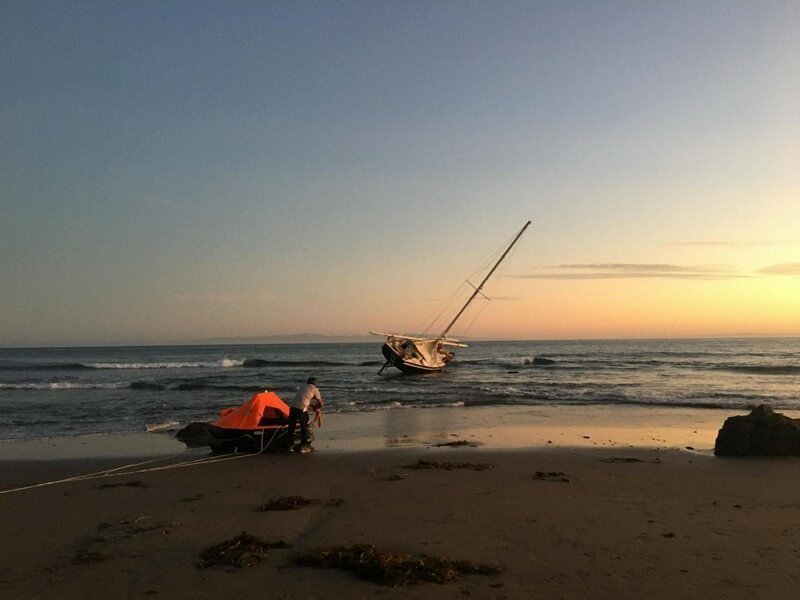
(604, 517)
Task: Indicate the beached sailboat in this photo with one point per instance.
(430, 354)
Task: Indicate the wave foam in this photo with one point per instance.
(224, 363)
(62, 385)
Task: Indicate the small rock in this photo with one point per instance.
(194, 435)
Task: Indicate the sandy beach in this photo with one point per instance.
(591, 514)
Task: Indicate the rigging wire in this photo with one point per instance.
(445, 307)
(478, 313)
(491, 285)
(477, 275)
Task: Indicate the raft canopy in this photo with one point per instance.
(264, 410)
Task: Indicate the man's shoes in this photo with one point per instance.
(290, 449)
(305, 449)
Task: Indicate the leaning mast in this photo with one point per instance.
(485, 279)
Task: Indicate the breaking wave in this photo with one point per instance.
(62, 385)
(221, 363)
(224, 363)
(44, 367)
(250, 363)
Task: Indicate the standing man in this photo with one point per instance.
(298, 411)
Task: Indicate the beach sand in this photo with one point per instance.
(649, 519)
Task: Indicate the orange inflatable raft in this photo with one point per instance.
(260, 423)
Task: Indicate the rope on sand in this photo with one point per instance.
(121, 470)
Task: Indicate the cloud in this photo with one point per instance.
(740, 244)
(464, 298)
(633, 271)
(784, 269)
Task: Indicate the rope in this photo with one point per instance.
(116, 471)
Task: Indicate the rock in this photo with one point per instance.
(539, 360)
(761, 433)
(194, 435)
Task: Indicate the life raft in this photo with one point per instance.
(259, 424)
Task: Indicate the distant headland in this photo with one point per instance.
(297, 338)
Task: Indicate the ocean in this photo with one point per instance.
(47, 392)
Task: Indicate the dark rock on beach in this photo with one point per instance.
(194, 435)
(761, 433)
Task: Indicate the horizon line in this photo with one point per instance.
(364, 340)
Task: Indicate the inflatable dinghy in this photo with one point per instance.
(260, 423)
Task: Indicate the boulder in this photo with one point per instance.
(194, 435)
(761, 433)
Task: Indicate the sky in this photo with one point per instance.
(178, 171)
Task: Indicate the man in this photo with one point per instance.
(298, 411)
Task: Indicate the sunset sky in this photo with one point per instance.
(177, 171)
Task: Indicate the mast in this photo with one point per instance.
(485, 279)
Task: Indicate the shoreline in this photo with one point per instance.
(490, 427)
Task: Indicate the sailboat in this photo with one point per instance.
(430, 354)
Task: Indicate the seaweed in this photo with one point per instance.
(392, 569)
(615, 459)
(134, 484)
(456, 444)
(426, 463)
(295, 502)
(559, 476)
(242, 551)
(194, 498)
(88, 557)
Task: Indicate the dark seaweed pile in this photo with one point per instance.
(242, 551)
(393, 569)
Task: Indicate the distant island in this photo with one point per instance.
(297, 338)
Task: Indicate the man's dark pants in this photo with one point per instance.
(295, 415)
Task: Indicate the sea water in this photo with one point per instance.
(72, 391)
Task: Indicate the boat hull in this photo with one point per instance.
(394, 360)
